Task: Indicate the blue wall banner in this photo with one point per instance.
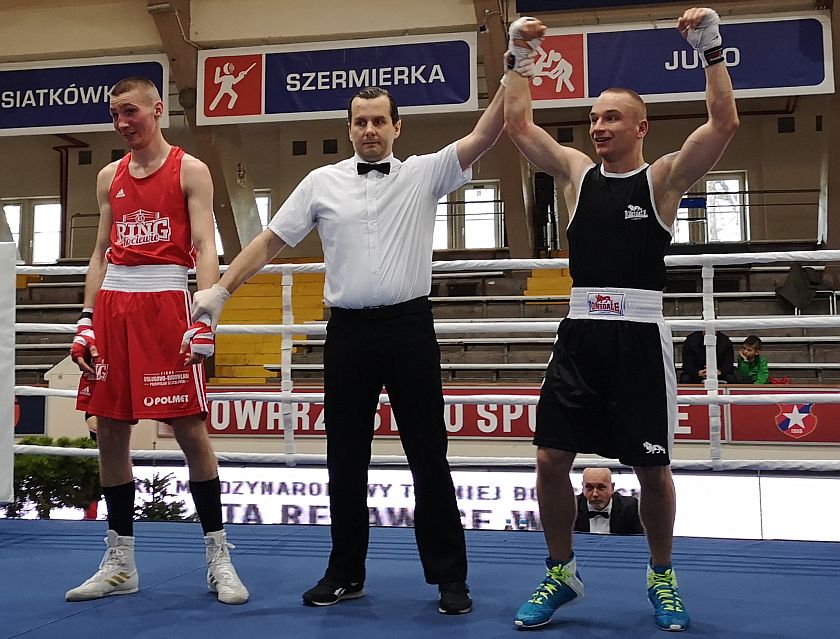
(536, 6)
(29, 415)
(426, 74)
(788, 55)
(70, 96)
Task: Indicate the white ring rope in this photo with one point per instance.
(783, 465)
(505, 326)
(709, 323)
(515, 264)
(515, 400)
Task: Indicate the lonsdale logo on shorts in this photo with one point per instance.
(166, 399)
(654, 449)
(605, 303)
(142, 227)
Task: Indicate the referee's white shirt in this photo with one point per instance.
(376, 230)
(601, 525)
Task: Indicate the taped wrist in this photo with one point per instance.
(517, 52)
(204, 318)
(706, 40)
(87, 313)
(712, 56)
(525, 66)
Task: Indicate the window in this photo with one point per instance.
(12, 212)
(470, 217)
(480, 217)
(441, 235)
(46, 233)
(219, 248)
(35, 224)
(715, 210)
(263, 198)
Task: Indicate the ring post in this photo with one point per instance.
(8, 254)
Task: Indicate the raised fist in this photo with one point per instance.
(526, 36)
(700, 27)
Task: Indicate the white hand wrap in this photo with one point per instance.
(526, 66)
(210, 301)
(521, 58)
(706, 40)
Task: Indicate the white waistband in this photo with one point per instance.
(630, 304)
(150, 278)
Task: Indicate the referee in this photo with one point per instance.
(375, 216)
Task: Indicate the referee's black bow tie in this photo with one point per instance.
(599, 513)
(383, 167)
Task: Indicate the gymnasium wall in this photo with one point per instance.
(56, 29)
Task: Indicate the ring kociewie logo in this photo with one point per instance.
(233, 85)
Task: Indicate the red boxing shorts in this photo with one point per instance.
(141, 314)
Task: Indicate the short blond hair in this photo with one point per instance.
(635, 98)
(144, 85)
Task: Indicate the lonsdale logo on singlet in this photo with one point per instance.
(142, 227)
(633, 212)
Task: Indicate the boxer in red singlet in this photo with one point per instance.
(140, 356)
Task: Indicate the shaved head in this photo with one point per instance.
(631, 99)
(597, 475)
(143, 86)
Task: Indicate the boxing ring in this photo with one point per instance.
(750, 588)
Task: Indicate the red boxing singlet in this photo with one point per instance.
(151, 222)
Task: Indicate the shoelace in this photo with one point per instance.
(114, 558)
(666, 593)
(549, 586)
(222, 566)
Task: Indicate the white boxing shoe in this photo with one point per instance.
(117, 574)
(221, 575)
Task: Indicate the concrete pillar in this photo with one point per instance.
(517, 188)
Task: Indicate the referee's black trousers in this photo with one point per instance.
(394, 346)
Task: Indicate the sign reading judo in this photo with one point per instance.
(300, 82)
(766, 57)
(70, 96)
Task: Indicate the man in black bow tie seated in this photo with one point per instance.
(602, 510)
(375, 216)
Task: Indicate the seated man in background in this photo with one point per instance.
(752, 366)
(602, 510)
(694, 359)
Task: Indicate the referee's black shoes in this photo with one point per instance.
(329, 591)
(454, 598)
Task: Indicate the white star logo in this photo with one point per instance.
(796, 418)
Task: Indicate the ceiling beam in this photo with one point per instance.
(219, 147)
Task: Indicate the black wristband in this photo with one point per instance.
(713, 55)
(87, 315)
(510, 60)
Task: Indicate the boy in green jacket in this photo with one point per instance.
(752, 366)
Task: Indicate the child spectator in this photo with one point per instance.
(752, 366)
